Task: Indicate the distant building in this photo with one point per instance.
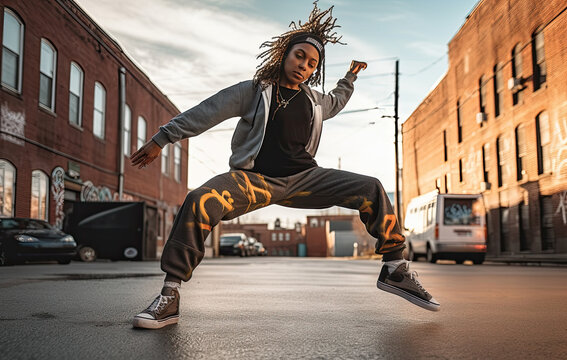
(73, 109)
(496, 124)
(335, 235)
(277, 241)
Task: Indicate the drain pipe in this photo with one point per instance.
(121, 110)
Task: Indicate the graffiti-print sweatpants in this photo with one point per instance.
(235, 193)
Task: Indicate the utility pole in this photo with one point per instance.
(396, 119)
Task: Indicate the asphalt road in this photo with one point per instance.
(283, 308)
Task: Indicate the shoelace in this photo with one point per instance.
(159, 304)
(414, 275)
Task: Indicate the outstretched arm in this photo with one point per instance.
(356, 66)
(337, 98)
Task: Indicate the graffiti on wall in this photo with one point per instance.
(90, 192)
(12, 122)
(562, 207)
(560, 160)
(58, 191)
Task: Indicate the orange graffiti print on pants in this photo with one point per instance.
(250, 190)
(392, 219)
(225, 200)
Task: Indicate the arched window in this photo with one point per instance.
(543, 143)
(99, 110)
(76, 95)
(498, 89)
(538, 59)
(521, 152)
(141, 132)
(517, 95)
(177, 162)
(39, 195)
(127, 132)
(7, 188)
(47, 68)
(12, 51)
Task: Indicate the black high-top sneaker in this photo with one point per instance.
(163, 311)
(403, 283)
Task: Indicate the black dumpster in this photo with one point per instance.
(109, 230)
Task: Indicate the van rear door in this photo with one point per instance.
(462, 219)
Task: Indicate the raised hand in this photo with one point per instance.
(145, 155)
(356, 66)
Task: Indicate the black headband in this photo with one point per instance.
(309, 39)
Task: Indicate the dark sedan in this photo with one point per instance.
(31, 239)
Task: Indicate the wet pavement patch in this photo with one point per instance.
(100, 276)
(43, 315)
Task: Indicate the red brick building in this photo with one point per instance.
(496, 124)
(73, 108)
(277, 241)
(335, 235)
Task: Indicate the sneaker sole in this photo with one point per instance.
(154, 324)
(427, 305)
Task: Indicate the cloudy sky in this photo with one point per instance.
(192, 49)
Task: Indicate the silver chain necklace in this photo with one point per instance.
(283, 102)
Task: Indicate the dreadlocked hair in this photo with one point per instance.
(319, 24)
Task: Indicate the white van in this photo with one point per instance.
(446, 226)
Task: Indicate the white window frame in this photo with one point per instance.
(6, 166)
(177, 162)
(165, 160)
(99, 129)
(127, 131)
(20, 55)
(40, 178)
(53, 76)
(79, 122)
(141, 140)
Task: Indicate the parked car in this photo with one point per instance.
(260, 249)
(252, 250)
(24, 239)
(446, 226)
(234, 244)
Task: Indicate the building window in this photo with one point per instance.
(524, 225)
(485, 161)
(498, 89)
(165, 160)
(460, 170)
(538, 59)
(287, 237)
(7, 188)
(141, 132)
(280, 236)
(521, 152)
(99, 110)
(127, 133)
(177, 162)
(500, 160)
(543, 143)
(459, 122)
(39, 195)
(446, 184)
(517, 94)
(274, 237)
(504, 228)
(47, 68)
(12, 50)
(76, 95)
(546, 221)
(445, 145)
(482, 94)
(313, 223)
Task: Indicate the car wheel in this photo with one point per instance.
(4, 260)
(411, 254)
(64, 261)
(87, 254)
(431, 257)
(478, 260)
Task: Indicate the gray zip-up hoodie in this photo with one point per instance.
(252, 105)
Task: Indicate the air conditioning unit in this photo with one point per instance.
(480, 117)
(484, 186)
(514, 84)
